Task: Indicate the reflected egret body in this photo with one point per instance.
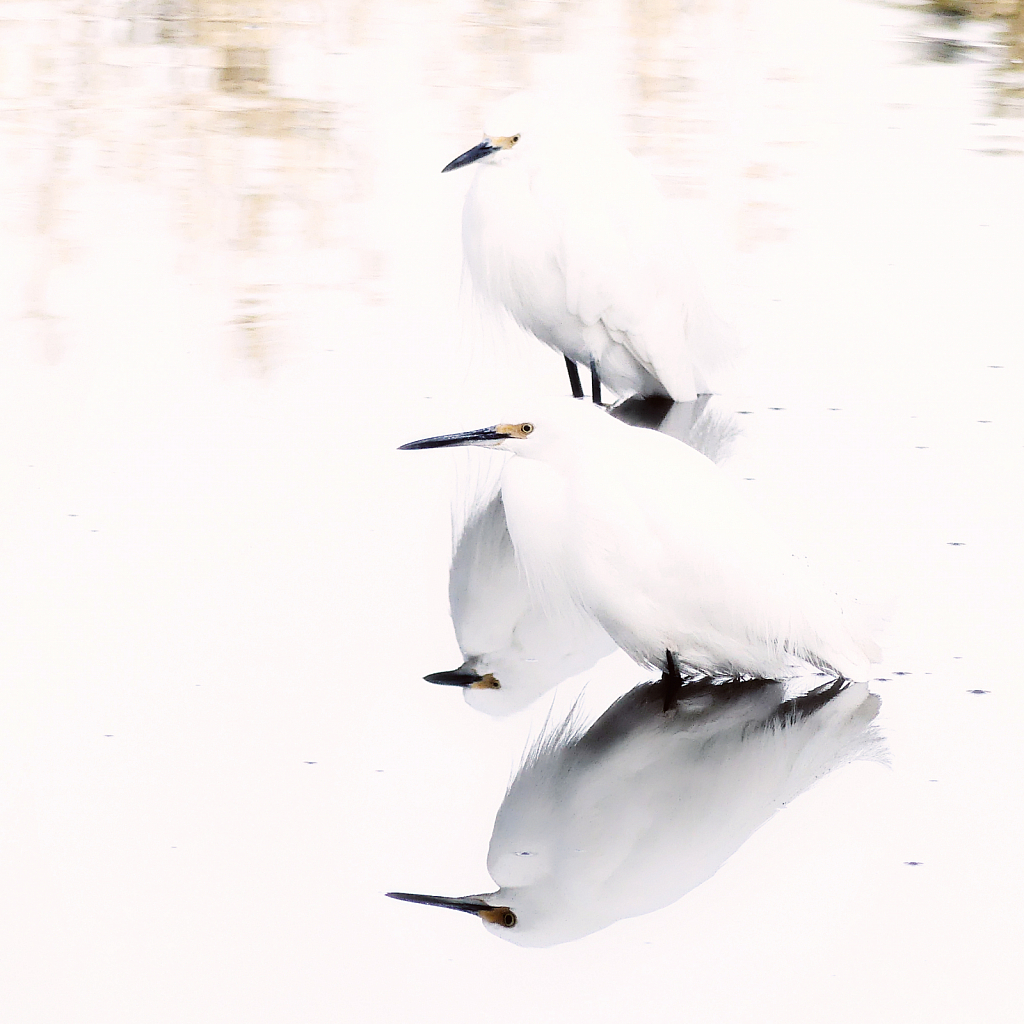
(567, 233)
(646, 804)
(515, 650)
(649, 538)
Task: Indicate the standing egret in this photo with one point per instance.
(649, 538)
(645, 805)
(515, 649)
(565, 231)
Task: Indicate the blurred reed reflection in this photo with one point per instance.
(259, 143)
(629, 815)
(222, 118)
(989, 31)
(514, 648)
(251, 140)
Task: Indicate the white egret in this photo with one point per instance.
(565, 231)
(649, 538)
(514, 648)
(645, 805)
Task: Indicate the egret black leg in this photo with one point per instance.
(673, 682)
(574, 378)
(595, 383)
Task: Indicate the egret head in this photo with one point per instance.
(504, 690)
(557, 424)
(482, 691)
(515, 130)
(513, 915)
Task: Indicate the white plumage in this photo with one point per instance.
(651, 540)
(565, 231)
(514, 648)
(648, 803)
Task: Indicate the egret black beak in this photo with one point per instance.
(478, 152)
(470, 680)
(467, 904)
(483, 435)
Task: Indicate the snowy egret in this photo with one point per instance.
(566, 232)
(514, 649)
(630, 815)
(649, 538)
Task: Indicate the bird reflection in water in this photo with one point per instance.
(514, 649)
(630, 814)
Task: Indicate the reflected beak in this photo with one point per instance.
(470, 680)
(471, 156)
(467, 904)
(485, 435)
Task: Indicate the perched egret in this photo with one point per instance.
(565, 231)
(514, 649)
(645, 805)
(650, 539)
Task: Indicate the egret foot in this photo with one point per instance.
(574, 378)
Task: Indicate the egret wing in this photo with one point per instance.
(627, 275)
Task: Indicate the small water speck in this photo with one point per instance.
(901, 673)
(913, 863)
(979, 691)
(744, 412)
(309, 762)
(955, 543)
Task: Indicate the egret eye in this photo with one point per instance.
(526, 428)
(500, 915)
(514, 139)
(487, 682)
